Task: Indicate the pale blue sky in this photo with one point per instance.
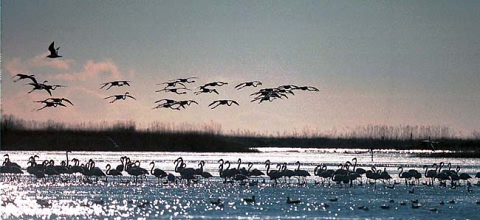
(375, 62)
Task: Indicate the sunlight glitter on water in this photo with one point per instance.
(35, 199)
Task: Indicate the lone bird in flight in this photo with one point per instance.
(245, 84)
(23, 76)
(49, 104)
(53, 51)
(223, 102)
(115, 83)
(120, 97)
(174, 90)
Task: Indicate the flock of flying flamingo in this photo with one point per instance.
(177, 86)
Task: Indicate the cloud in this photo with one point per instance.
(15, 67)
(42, 61)
(93, 70)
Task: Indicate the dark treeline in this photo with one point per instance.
(18, 134)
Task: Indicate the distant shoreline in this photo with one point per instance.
(131, 140)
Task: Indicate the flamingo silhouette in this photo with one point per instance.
(222, 102)
(120, 97)
(23, 76)
(245, 84)
(205, 90)
(50, 104)
(174, 90)
(118, 83)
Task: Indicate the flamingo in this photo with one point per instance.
(24, 76)
(301, 173)
(118, 83)
(273, 174)
(227, 102)
(157, 172)
(290, 201)
(245, 84)
(251, 199)
(120, 97)
(403, 175)
(206, 90)
(112, 172)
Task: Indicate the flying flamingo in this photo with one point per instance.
(120, 97)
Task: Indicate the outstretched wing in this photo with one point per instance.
(235, 102)
(51, 48)
(126, 83)
(213, 103)
(215, 91)
(109, 97)
(104, 84)
(241, 84)
(131, 97)
(66, 100)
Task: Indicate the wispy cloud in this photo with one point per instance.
(41, 61)
(93, 70)
(17, 65)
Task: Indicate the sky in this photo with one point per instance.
(374, 62)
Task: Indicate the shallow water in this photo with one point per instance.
(152, 200)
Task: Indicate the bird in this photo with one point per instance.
(112, 172)
(429, 143)
(217, 202)
(206, 90)
(252, 199)
(24, 76)
(174, 90)
(307, 88)
(59, 100)
(53, 51)
(120, 97)
(290, 201)
(50, 104)
(162, 101)
(245, 84)
(115, 83)
(157, 172)
(168, 105)
(228, 102)
(218, 83)
(183, 103)
(37, 86)
(172, 84)
(287, 87)
(185, 80)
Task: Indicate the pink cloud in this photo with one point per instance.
(93, 70)
(15, 67)
(42, 61)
